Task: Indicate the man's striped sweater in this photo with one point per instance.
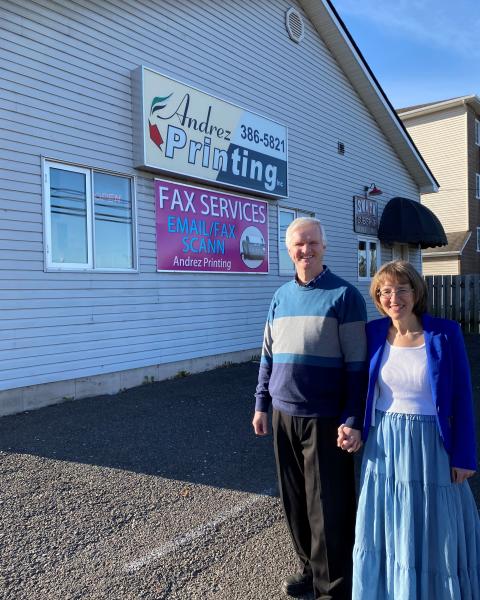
(313, 360)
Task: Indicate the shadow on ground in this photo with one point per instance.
(196, 429)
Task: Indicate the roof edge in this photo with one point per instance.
(450, 252)
(434, 254)
(471, 100)
(343, 47)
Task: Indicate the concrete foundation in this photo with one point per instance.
(36, 396)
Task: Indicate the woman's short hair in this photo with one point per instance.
(304, 221)
(403, 272)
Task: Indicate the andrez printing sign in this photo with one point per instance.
(207, 230)
(181, 130)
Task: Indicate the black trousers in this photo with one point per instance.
(317, 490)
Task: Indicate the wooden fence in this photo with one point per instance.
(455, 297)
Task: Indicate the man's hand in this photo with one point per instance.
(260, 423)
(461, 475)
(349, 439)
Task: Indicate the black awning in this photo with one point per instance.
(408, 222)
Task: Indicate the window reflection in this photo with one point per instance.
(362, 259)
(285, 263)
(68, 201)
(373, 258)
(367, 258)
(113, 221)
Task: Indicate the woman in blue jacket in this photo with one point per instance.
(418, 529)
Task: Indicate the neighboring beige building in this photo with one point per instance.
(447, 133)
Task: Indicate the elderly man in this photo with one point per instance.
(313, 372)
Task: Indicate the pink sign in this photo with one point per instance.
(206, 230)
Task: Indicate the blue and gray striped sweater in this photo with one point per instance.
(313, 360)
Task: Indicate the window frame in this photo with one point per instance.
(296, 212)
(89, 172)
(369, 240)
(477, 186)
(477, 132)
(478, 239)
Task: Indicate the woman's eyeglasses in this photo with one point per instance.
(388, 292)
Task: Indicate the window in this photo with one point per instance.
(285, 217)
(478, 239)
(400, 252)
(367, 258)
(89, 219)
(477, 132)
(477, 190)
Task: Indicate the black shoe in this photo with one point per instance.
(298, 584)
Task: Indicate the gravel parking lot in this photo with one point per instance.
(159, 492)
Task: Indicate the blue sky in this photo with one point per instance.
(419, 50)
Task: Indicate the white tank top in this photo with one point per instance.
(403, 382)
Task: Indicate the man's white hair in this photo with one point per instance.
(304, 221)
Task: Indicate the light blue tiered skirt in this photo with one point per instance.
(417, 534)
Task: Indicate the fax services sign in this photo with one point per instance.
(183, 131)
(207, 230)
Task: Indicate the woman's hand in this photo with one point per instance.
(349, 439)
(461, 475)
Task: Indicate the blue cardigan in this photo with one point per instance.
(449, 374)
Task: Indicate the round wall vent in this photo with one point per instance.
(294, 24)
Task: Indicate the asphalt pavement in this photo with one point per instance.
(160, 492)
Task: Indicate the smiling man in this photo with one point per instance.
(313, 372)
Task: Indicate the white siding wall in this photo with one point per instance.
(66, 95)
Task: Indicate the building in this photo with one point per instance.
(447, 134)
(152, 156)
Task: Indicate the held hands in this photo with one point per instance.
(461, 475)
(349, 439)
